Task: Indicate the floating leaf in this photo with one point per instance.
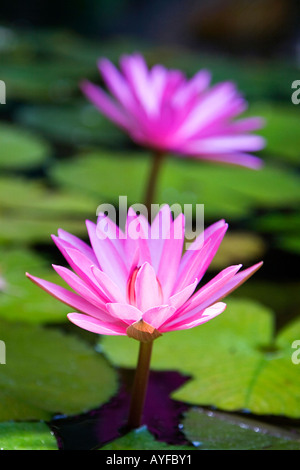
(48, 372)
(30, 212)
(217, 431)
(26, 436)
(224, 191)
(141, 439)
(281, 130)
(234, 361)
(20, 299)
(77, 124)
(21, 149)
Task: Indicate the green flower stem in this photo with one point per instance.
(140, 383)
(157, 161)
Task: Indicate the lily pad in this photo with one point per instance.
(48, 372)
(281, 130)
(141, 439)
(26, 436)
(235, 361)
(210, 430)
(30, 212)
(77, 124)
(20, 299)
(21, 149)
(225, 191)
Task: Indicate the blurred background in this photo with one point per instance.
(60, 159)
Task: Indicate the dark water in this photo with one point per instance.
(98, 427)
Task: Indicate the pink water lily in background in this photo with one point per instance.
(165, 111)
(142, 286)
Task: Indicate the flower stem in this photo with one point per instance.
(157, 160)
(140, 383)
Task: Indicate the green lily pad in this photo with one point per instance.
(217, 431)
(21, 149)
(48, 372)
(281, 130)
(141, 439)
(235, 361)
(26, 436)
(33, 197)
(30, 212)
(20, 299)
(225, 191)
(48, 80)
(77, 124)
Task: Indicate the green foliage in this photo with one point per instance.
(235, 361)
(26, 436)
(218, 431)
(48, 372)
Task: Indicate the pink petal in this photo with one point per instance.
(116, 83)
(160, 229)
(147, 290)
(171, 256)
(78, 261)
(80, 287)
(70, 298)
(225, 144)
(156, 316)
(77, 243)
(203, 317)
(135, 69)
(207, 109)
(106, 228)
(105, 104)
(109, 289)
(137, 234)
(109, 259)
(208, 290)
(178, 299)
(246, 124)
(240, 159)
(124, 312)
(219, 292)
(199, 260)
(95, 326)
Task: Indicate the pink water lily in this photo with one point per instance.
(164, 110)
(142, 286)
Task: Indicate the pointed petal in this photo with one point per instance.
(160, 229)
(189, 314)
(80, 287)
(199, 242)
(179, 299)
(95, 326)
(124, 312)
(156, 316)
(147, 290)
(75, 242)
(70, 298)
(209, 289)
(171, 256)
(105, 104)
(196, 262)
(110, 290)
(203, 317)
(109, 259)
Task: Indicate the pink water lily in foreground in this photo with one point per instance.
(142, 286)
(164, 110)
(138, 282)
